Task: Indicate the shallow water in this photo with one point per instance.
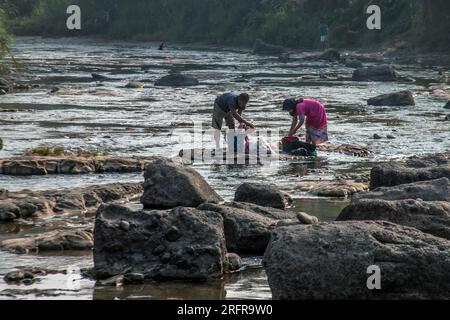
(148, 121)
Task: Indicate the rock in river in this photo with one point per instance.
(447, 106)
(37, 165)
(335, 189)
(330, 261)
(396, 173)
(34, 204)
(402, 98)
(169, 184)
(422, 205)
(430, 190)
(50, 241)
(177, 80)
(248, 227)
(263, 195)
(183, 244)
(377, 73)
(135, 85)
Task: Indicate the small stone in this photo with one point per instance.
(18, 276)
(391, 137)
(234, 262)
(376, 136)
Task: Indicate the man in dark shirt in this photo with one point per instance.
(229, 106)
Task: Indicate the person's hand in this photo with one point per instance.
(250, 125)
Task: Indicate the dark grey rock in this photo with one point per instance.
(402, 98)
(431, 217)
(396, 173)
(263, 195)
(377, 73)
(234, 262)
(197, 254)
(431, 190)
(168, 185)
(329, 261)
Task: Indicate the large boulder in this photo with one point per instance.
(177, 80)
(396, 173)
(169, 184)
(431, 190)
(248, 226)
(260, 47)
(402, 98)
(431, 217)
(377, 73)
(330, 261)
(263, 195)
(183, 243)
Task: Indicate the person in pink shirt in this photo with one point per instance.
(311, 113)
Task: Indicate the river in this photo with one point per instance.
(140, 122)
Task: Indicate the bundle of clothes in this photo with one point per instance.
(244, 140)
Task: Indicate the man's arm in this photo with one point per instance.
(238, 117)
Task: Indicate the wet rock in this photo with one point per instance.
(245, 231)
(391, 137)
(376, 136)
(348, 149)
(18, 276)
(36, 165)
(3, 193)
(248, 226)
(135, 85)
(402, 98)
(50, 241)
(133, 278)
(177, 80)
(354, 63)
(29, 204)
(5, 85)
(396, 173)
(233, 263)
(432, 190)
(1, 143)
(447, 106)
(263, 48)
(2, 92)
(198, 254)
(116, 281)
(22, 168)
(431, 217)
(329, 261)
(377, 73)
(169, 184)
(334, 189)
(331, 55)
(99, 77)
(263, 195)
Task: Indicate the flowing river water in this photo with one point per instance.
(141, 122)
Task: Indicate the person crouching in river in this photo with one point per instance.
(311, 113)
(230, 107)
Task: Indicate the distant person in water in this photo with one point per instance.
(229, 107)
(324, 35)
(311, 113)
(161, 46)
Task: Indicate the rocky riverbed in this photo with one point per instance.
(115, 97)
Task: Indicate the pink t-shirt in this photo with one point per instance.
(316, 116)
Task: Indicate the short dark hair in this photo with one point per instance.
(244, 97)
